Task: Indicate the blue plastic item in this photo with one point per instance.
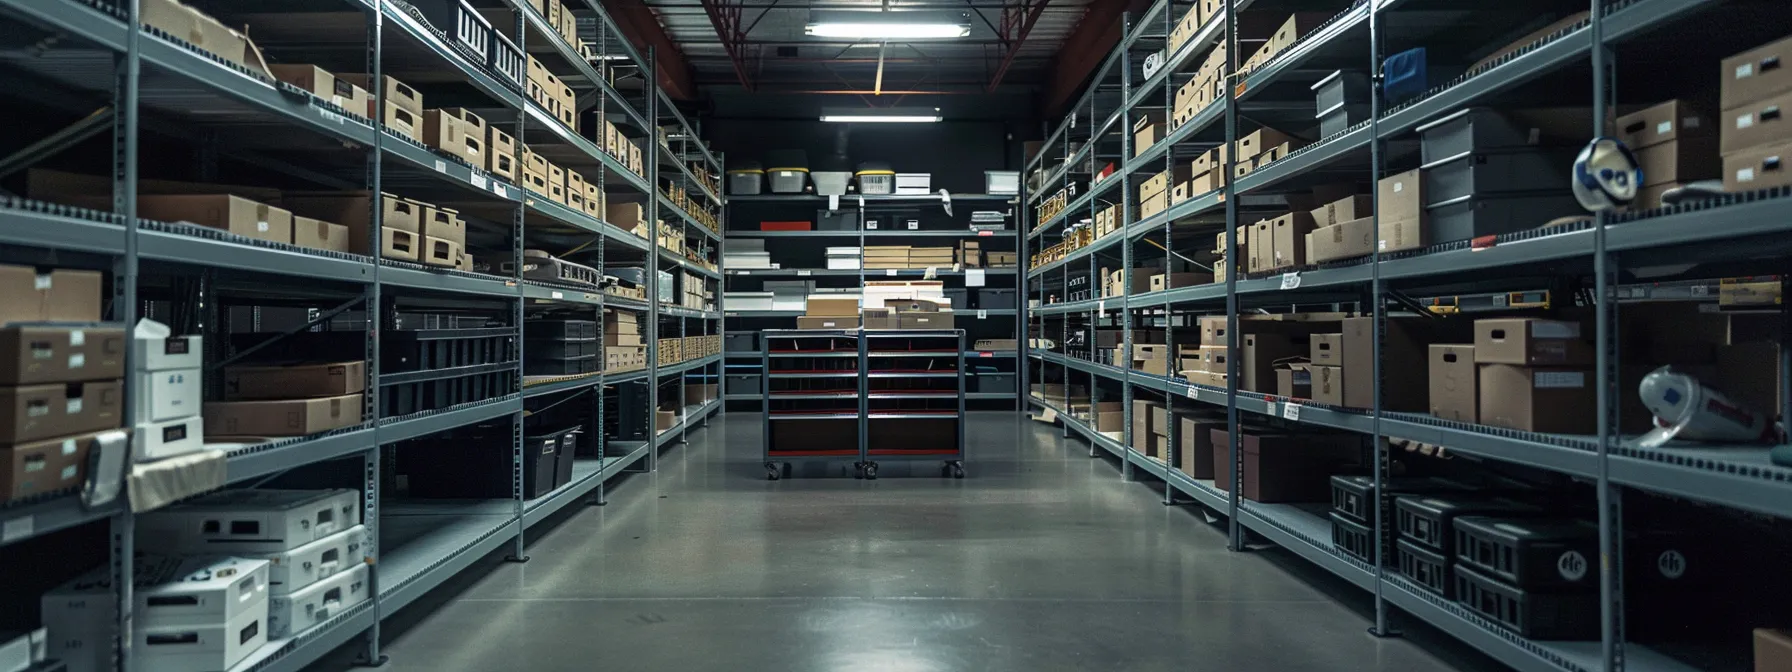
(1403, 75)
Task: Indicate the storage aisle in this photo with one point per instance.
(1042, 559)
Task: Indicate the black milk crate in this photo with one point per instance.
(559, 329)
(465, 29)
(404, 394)
(1532, 614)
(1351, 494)
(430, 349)
(508, 62)
(1530, 552)
(560, 367)
(1425, 519)
(538, 350)
(1353, 538)
(477, 464)
(1425, 567)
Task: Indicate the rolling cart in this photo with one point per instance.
(813, 404)
(914, 398)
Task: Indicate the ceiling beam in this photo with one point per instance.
(725, 15)
(1018, 18)
(636, 20)
(1084, 50)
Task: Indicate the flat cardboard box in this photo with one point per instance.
(284, 417)
(318, 234)
(41, 467)
(1531, 341)
(31, 354)
(1773, 650)
(1207, 378)
(234, 214)
(1345, 240)
(1258, 141)
(59, 295)
(339, 92)
(334, 379)
(1554, 400)
(1756, 74)
(827, 322)
(1401, 197)
(1455, 383)
(202, 31)
(1289, 235)
(1326, 349)
(1758, 168)
(1762, 122)
(819, 306)
(1665, 122)
(1343, 210)
(34, 412)
(924, 321)
(1328, 385)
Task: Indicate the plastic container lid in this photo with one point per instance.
(874, 168)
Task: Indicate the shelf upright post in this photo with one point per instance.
(1234, 532)
(1126, 220)
(599, 436)
(516, 323)
(1611, 502)
(372, 308)
(1023, 285)
(1172, 437)
(651, 100)
(1378, 309)
(127, 75)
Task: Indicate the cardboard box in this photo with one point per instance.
(353, 209)
(319, 82)
(1343, 210)
(1147, 130)
(1207, 378)
(1261, 247)
(1756, 74)
(1402, 199)
(1522, 42)
(1762, 122)
(60, 295)
(1773, 650)
(443, 223)
(1259, 356)
(1110, 416)
(318, 234)
(400, 245)
(624, 215)
(1346, 240)
(1758, 168)
(1395, 236)
(40, 467)
(1296, 27)
(166, 395)
(1154, 205)
(1326, 349)
(242, 382)
(399, 96)
(1288, 235)
(1404, 358)
(1145, 415)
(1555, 400)
(1328, 384)
(1215, 358)
(1661, 123)
(820, 306)
(1256, 142)
(285, 417)
(34, 412)
(1455, 383)
(234, 214)
(202, 31)
(1163, 281)
(1531, 341)
(1294, 380)
(32, 354)
(924, 321)
(500, 155)
(1282, 467)
(827, 322)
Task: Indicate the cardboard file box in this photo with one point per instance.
(152, 441)
(39, 467)
(297, 380)
(234, 214)
(33, 412)
(166, 395)
(61, 295)
(47, 354)
(288, 417)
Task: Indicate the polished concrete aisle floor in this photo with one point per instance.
(1041, 559)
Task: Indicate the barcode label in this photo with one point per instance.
(1290, 411)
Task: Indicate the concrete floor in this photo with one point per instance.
(1042, 559)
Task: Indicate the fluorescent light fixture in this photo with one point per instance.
(887, 115)
(890, 25)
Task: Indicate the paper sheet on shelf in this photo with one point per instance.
(973, 277)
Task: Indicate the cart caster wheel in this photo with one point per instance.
(772, 472)
(871, 471)
(957, 471)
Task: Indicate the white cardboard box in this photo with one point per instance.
(151, 441)
(208, 648)
(166, 395)
(299, 568)
(318, 602)
(250, 521)
(154, 348)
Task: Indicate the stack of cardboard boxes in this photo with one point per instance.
(1191, 22)
(410, 230)
(623, 348)
(623, 148)
(830, 312)
(280, 400)
(1148, 130)
(341, 92)
(1342, 229)
(1154, 192)
(931, 257)
(1001, 259)
(1756, 136)
(166, 378)
(61, 384)
(1202, 89)
(1287, 35)
(1676, 143)
(886, 256)
(671, 351)
(1520, 373)
(1151, 429)
(1107, 220)
(553, 95)
(1260, 148)
(969, 254)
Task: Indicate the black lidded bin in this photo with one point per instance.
(1426, 567)
(477, 467)
(1533, 614)
(1425, 519)
(1351, 494)
(1530, 553)
(1352, 538)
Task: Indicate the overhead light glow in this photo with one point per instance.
(880, 118)
(888, 31)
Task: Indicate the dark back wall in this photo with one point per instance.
(955, 152)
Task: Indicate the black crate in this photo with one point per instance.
(437, 349)
(397, 399)
(1665, 559)
(538, 350)
(1425, 519)
(1531, 614)
(507, 61)
(559, 329)
(1354, 539)
(741, 342)
(568, 448)
(1425, 567)
(476, 467)
(560, 367)
(1351, 494)
(1530, 553)
(461, 24)
(995, 299)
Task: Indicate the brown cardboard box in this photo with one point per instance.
(352, 209)
(284, 417)
(288, 381)
(1533, 36)
(1410, 234)
(1259, 140)
(1296, 27)
(1261, 247)
(819, 306)
(1152, 206)
(443, 223)
(1328, 384)
(202, 31)
(1213, 160)
(624, 215)
(924, 321)
(827, 322)
(1404, 357)
(32, 354)
(1147, 130)
(1110, 416)
(1259, 355)
(400, 245)
(1143, 415)
(1455, 383)
(1163, 281)
(1194, 450)
(398, 95)
(1531, 341)
(41, 467)
(1343, 210)
(1754, 124)
(319, 82)
(1289, 234)
(500, 156)
(1294, 380)
(1207, 182)
(1773, 650)
(438, 252)
(319, 235)
(237, 215)
(1346, 240)
(33, 412)
(1213, 330)
(1402, 199)
(556, 183)
(60, 295)
(1556, 400)
(1758, 168)
(1282, 467)
(1214, 358)
(1665, 122)
(1207, 378)
(915, 306)
(1756, 74)
(1326, 349)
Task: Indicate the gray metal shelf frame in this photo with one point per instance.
(1728, 476)
(185, 78)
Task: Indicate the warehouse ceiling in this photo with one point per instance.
(760, 45)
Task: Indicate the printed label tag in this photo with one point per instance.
(1290, 280)
(477, 180)
(77, 360)
(1290, 411)
(77, 338)
(17, 528)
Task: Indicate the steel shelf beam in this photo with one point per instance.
(967, 233)
(393, 430)
(266, 459)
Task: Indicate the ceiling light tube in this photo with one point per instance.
(888, 31)
(886, 115)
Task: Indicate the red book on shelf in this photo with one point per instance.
(786, 226)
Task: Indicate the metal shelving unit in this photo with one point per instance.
(161, 86)
(1603, 253)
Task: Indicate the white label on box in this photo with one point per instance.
(1745, 70)
(441, 166)
(35, 411)
(913, 225)
(68, 472)
(34, 465)
(890, 271)
(1690, 122)
(973, 277)
(77, 360)
(1664, 128)
(1289, 280)
(1745, 174)
(1381, 245)
(77, 338)
(69, 447)
(477, 180)
(982, 314)
(1745, 121)
(1290, 411)
(800, 274)
(1399, 187)
(499, 190)
(1555, 329)
(74, 406)
(43, 282)
(261, 227)
(1559, 379)
(17, 528)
